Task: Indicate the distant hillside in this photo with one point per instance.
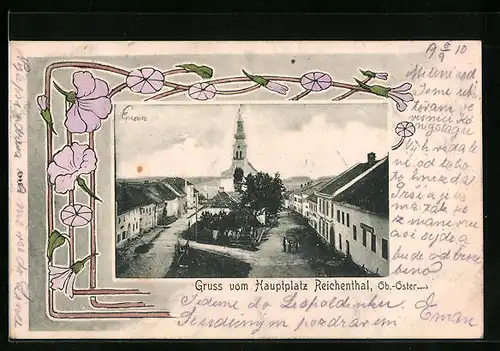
(293, 183)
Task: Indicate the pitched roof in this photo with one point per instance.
(342, 179)
(177, 183)
(159, 192)
(311, 188)
(129, 196)
(371, 192)
(132, 194)
(222, 200)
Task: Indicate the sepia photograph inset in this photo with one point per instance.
(252, 190)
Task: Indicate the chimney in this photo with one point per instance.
(371, 158)
(221, 189)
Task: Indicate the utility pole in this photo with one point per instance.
(196, 217)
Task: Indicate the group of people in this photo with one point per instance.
(290, 245)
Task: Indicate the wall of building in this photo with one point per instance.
(361, 254)
(171, 207)
(148, 216)
(190, 196)
(127, 225)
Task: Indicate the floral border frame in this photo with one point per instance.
(73, 167)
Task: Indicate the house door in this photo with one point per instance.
(347, 248)
(128, 231)
(332, 237)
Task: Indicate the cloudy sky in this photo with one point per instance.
(295, 140)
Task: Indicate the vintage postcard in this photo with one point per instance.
(245, 190)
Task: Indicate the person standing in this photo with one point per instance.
(284, 244)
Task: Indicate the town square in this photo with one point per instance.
(262, 204)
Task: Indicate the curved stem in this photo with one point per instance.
(398, 145)
(71, 201)
(175, 71)
(349, 93)
(93, 240)
(348, 86)
(239, 91)
(117, 89)
(246, 79)
(90, 65)
(165, 94)
(301, 95)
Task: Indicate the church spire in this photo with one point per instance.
(240, 132)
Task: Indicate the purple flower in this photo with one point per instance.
(405, 129)
(277, 87)
(268, 84)
(381, 75)
(202, 91)
(401, 95)
(145, 80)
(62, 278)
(42, 102)
(90, 105)
(377, 75)
(76, 215)
(68, 164)
(316, 81)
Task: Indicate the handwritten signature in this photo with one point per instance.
(429, 312)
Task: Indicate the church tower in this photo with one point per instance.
(239, 146)
(239, 158)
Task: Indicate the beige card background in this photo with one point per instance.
(440, 252)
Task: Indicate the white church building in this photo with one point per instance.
(239, 160)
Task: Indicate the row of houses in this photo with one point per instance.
(142, 205)
(350, 212)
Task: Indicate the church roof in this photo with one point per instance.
(247, 169)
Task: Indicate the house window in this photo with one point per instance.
(366, 229)
(340, 242)
(119, 238)
(374, 243)
(354, 232)
(347, 219)
(385, 249)
(338, 216)
(343, 222)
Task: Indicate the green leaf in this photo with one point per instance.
(204, 72)
(78, 265)
(374, 89)
(368, 73)
(257, 79)
(47, 117)
(362, 85)
(56, 239)
(81, 182)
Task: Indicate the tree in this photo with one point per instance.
(263, 194)
(238, 178)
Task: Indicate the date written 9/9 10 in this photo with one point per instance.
(399, 285)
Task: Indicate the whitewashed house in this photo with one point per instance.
(361, 222)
